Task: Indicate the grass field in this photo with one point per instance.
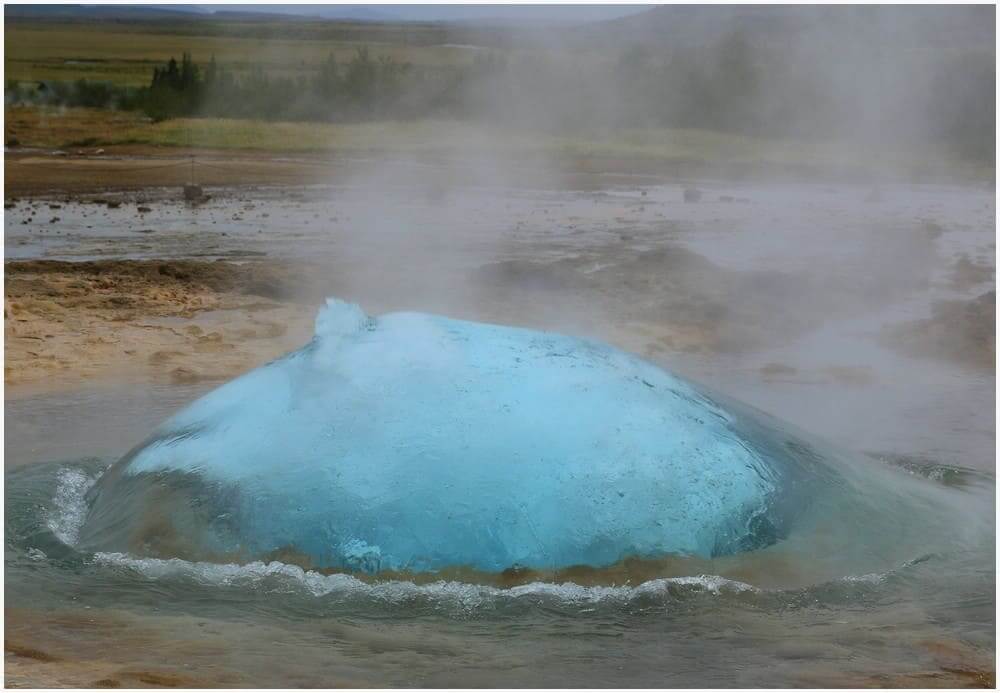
(647, 149)
(126, 55)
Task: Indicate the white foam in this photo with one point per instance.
(69, 512)
(458, 593)
(69, 509)
(339, 318)
(711, 583)
(868, 578)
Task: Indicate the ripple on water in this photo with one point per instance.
(68, 508)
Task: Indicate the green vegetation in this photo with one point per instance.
(125, 54)
(859, 97)
(638, 148)
(364, 88)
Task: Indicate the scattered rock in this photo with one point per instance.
(163, 356)
(27, 652)
(246, 253)
(966, 274)
(113, 204)
(963, 331)
(143, 210)
(692, 195)
(184, 375)
(193, 193)
(106, 683)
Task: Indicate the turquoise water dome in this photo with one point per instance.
(417, 442)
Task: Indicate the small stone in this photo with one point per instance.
(193, 193)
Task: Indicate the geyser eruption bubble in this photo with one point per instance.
(416, 442)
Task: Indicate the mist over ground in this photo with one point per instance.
(914, 79)
(790, 206)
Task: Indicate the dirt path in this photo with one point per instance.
(32, 171)
(35, 171)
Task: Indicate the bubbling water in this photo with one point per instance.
(413, 443)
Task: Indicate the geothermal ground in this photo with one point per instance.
(862, 313)
(770, 292)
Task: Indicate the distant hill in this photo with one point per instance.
(963, 26)
(330, 23)
(78, 12)
(520, 15)
(139, 13)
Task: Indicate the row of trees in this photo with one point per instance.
(364, 87)
(738, 85)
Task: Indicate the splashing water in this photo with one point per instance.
(414, 443)
(201, 504)
(69, 505)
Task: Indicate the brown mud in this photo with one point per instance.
(33, 171)
(138, 167)
(962, 331)
(176, 320)
(131, 168)
(82, 649)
